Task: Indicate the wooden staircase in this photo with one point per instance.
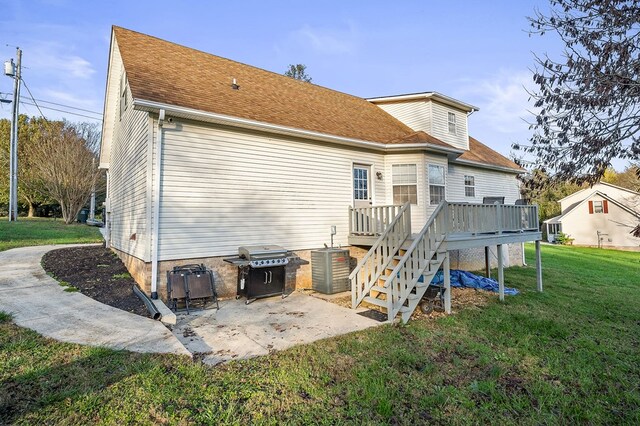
(396, 278)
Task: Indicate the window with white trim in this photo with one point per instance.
(405, 183)
(469, 186)
(452, 123)
(123, 94)
(597, 207)
(436, 184)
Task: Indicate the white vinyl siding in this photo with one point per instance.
(415, 114)
(128, 182)
(405, 183)
(223, 188)
(487, 183)
(440, 125)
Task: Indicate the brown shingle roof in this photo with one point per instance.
(165, 72)
(480, 153)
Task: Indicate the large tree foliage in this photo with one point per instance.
(629, 178)
(588, 100)
(299, 72)
(66, 162)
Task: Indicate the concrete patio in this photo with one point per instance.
(239, 331)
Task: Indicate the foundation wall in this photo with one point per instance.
(298, 274)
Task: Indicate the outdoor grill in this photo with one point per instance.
(261, 271)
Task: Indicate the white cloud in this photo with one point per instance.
(51, 59)
(502, 99)
(328, 40)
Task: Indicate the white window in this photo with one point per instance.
(405, 183)
(469, 186)
(597, 207)
(123, 94)
(361, 183)
(436, 184)
(452, 123)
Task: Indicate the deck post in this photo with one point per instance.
(487, 262)
(500, 273)
(447, 282)
(538, 266)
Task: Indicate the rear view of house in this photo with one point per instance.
(205, 155)
(604, 215)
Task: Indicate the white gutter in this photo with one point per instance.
(487, 166)
(157, 163)
(195, 114)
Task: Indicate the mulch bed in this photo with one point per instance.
(96, 272)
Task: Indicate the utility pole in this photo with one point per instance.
(14, 72)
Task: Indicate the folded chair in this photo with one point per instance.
(201, 286)
(177, 288)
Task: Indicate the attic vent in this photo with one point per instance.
(234, 84)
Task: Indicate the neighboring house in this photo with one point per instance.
(204, 154)
(603, 215)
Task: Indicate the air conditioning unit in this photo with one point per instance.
(330, 270)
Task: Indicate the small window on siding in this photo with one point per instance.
(436, 184)
(123, 94)
(597, 207)
(469, 186)
(452, 123)
(405, 183)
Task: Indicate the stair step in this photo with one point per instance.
(374, 301)
(404, 309)
(413, 296)
(380, 289)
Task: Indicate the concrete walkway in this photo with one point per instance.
(239, 331)
(36, 301)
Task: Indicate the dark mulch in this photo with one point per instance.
(96, 272)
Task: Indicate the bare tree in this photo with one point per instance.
(589, 101)
(65, 161)
(299, 72)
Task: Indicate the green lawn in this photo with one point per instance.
(38, 231)
(569, 355)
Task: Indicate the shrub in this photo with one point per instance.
(564, 239)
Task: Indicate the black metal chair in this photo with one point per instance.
(201, 286)
(177, 288)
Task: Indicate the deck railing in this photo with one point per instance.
(463, 218)
(491, 218)
(371, 221)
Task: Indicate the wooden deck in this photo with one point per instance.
(396, 271)
(468, 225)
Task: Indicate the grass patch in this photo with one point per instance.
(122, 276)
(71, 289)
(64, 283)
(4, 317)
(40, 231)
(568, 355)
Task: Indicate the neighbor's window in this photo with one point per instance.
(436, 184)
(405, 183)
(597, 207)
(123, 94)
(469, 186)
(452, 123)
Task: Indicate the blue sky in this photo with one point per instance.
(478, 52)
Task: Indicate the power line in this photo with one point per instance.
(34, 101)
(58, 104)
(66, 112)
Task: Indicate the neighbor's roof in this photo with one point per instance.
(480, 153)
(168, 73)
(574, 208)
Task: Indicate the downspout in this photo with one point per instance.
(155, 222)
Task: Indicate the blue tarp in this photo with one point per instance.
(468, 280)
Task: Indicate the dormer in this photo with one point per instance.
(440, 116)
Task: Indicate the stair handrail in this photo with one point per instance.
(397, 296)
(371, 266)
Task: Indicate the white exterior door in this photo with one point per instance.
(361, 185)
